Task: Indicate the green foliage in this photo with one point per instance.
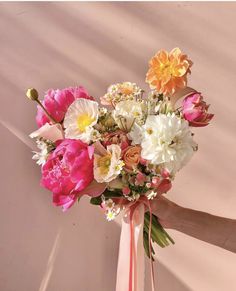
(106, 194)
(158, 234)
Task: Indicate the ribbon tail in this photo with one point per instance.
(139, 250)
(130, 270)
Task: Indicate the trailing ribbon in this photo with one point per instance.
(131, 267)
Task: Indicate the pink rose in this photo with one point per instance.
(195, 110)
(118, 137)
(68, 172)
(57, 102)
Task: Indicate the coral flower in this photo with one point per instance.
(168, 71)
(131, 157)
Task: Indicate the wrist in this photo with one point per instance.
(175, 216)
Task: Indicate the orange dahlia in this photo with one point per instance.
(168, 71)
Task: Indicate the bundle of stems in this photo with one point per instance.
(158, 234)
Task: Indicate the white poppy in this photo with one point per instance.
(107, 162)
(80, 118)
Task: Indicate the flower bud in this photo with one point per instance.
(195, 110)
(32, 94)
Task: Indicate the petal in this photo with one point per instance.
(94, 189)
(47, 131)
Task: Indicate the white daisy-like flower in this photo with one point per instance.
(127, 112)
(136, 134)
(80, 118)
(108, 165)
(109, 204)
(95, 135)
(151, 195)
(120, 92)
(167, 139)
(111, 215)
(41, 156)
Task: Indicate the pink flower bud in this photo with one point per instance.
(126, 190)
(165, 173)
(195, 110)
(164, 186)
(155, 181)
(140, 179)
(148, 185)
(143, 161)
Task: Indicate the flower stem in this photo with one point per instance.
(158, 233)
(46, 112)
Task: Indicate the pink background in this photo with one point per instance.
(96, 44)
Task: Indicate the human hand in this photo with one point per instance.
(165, 210)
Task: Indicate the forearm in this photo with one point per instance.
(209, 228)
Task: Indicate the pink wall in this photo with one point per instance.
(95, 44)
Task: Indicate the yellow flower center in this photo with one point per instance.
(149, 130)
(136, 114)
(104, 164)
(167, 69)
(83, 121)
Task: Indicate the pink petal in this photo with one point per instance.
(99, 149)
(90, 151)
(47, 131)
(94, 189)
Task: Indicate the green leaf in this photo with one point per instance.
(106, 194)
(112, 194)
(96, 200)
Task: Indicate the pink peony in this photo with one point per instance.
(57, 102)
(195, 110)
(68, 172)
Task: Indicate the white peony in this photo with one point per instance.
(167, 140)
(80, 118)
(127, 112)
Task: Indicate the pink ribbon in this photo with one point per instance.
(131, 268)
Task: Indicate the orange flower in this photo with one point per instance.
(168, 71)
(131, 157)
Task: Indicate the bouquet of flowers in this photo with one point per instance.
(122, 154)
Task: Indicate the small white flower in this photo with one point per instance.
(41, 156)
(121, 92)
(102, 111)
(167, 139)
(95, 135)
(111, 215)
(127, 112)
(80, 118)
(151, 195)
(109, 204)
